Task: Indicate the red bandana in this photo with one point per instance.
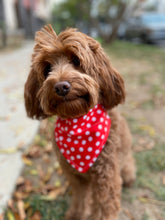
(82, 139)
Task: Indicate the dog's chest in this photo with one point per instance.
(82, 139)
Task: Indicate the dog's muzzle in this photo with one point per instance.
(62, 88)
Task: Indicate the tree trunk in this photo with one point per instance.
(3, 25)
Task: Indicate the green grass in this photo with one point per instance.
(134, 51)
(149, 164)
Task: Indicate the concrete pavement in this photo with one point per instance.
(16, 130)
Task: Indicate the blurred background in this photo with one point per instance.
(134, 20)
(132, 33)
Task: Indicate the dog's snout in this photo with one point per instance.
(62, 88)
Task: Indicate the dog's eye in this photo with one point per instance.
(47, 70)
(76, 61)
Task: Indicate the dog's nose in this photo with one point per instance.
(62, 88)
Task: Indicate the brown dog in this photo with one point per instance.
(71, 77)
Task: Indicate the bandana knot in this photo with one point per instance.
(82, 139)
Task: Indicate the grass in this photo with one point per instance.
(143, 69)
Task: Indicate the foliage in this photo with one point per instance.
(105, 16)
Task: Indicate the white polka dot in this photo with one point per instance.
(69, 139)
(96, 106)
(79, 137)
(90, 164)
(57, 139)
(88, 118)
(106, 122)
(83, 142)
(100, 127)
(88, 125)
(87, 132)
(82, 124)
(97, 143)
(90, 138)
(62, 150)
(90, 149)
(60, 132)
(93, 119)
(102, 136)
(80, 169)
(62, 128)
(61, 138)
(97, 134)
(72, 149)
(65, 145)
(76, 141)
(99, 111)
(81, 149)
(78, 156)
(58, 125)
(68, 152)
(72, 158)
(82, 163)
(66, 128)
(97, 151)
(105, 129)
(60, 143)
(101, 119)
(107, 116)
(79, 130)
(92, 113)
(73, 165)
(90, 110)
(75, 126)
(87, 157)
(85, 116)
(71, 132)
(68, 160)
(94, 159)
(75, 120)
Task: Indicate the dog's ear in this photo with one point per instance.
(32, 104)
(112, 91)
(112, 88)
(45, 38)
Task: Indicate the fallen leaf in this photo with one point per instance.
(21, 211)
(128, 213)
(53, 194)
(27, 161)
(10, 215)
(34, 151)
(33, 172)
(48, 148)
(2, 216)
(20, 181)
(149, 129)
(36, 216)
(57, 183)
(11, 150)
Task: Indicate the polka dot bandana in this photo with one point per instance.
(82, 139)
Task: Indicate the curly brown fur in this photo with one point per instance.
(79, 60)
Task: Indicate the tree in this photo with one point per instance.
(104, 15)
(110, 13)
(73, 13)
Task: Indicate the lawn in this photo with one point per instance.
(43, 193)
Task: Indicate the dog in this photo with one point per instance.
(71, 77)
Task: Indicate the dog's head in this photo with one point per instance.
(69, 75)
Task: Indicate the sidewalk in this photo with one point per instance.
(16, 130)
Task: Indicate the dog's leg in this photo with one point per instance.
(80, 206)
(128, 170)
(106, 185)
